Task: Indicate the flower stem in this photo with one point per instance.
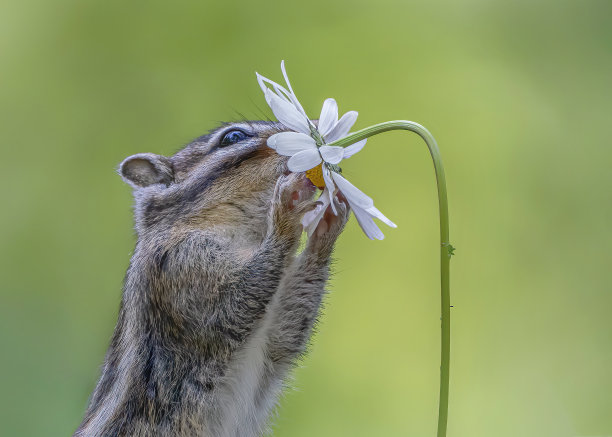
(446, 250)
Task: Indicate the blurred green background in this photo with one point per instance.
(518, 96)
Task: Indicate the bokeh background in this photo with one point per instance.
(518, 96)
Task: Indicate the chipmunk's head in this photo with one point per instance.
(223, 180)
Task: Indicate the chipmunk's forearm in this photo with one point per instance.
(298, 302)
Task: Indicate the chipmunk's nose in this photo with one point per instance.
(281, 162)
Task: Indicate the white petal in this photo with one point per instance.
(292, 95)
(287, 113)
(343, 127)
(278, 89)
(329, 116)
(282, 92)
(330, 187)
(261, 80)
(312, 218)
(304, 160)
(332, 154)
(352, 193)
(367, 224)
(354, 148)
(285, 76)
(290, 143)
(333, 202)
(380, 216)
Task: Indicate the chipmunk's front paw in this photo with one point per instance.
(329, 228)
(292, 198)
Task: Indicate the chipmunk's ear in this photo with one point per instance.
(144, 169)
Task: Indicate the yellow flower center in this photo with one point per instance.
(315, 175)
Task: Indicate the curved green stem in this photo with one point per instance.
(446, 250)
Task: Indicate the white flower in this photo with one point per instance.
(308, 152)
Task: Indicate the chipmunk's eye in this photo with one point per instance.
(233, 137)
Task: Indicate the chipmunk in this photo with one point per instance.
(217, 304)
